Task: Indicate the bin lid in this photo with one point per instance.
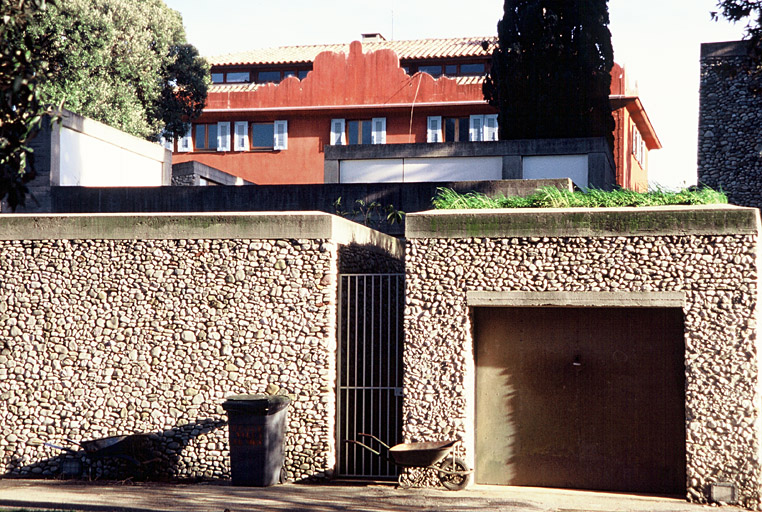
(258, 404)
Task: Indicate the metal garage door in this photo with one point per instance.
(588, 398)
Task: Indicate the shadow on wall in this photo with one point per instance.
(152, 456)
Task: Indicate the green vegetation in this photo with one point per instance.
(22, 73)
(550, 74)
(370, 214)
(550, 197)
(125, 63)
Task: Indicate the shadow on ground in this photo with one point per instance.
(151, 456)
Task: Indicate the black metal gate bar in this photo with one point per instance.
(369, 370)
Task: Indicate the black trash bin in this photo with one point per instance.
(257, 427)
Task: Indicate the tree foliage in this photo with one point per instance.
(550, 74)
(749, 10)
(125, 63)
(22, 70)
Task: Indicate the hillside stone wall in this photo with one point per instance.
(730, 113)
(708, 258)
(102, 335)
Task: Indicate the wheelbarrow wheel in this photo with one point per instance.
(454, 482)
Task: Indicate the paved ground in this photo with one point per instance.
(320, 498)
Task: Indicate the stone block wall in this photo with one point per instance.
(730, 113)
(113, 325)
(707, 258)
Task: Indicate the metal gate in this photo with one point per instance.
(369, 370)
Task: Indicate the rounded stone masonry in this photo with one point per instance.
(699, 261)
(730, 113)
(143, 324)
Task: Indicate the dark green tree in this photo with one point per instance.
(24, 65)
(125, 63)
(749, 10)
(550, 74)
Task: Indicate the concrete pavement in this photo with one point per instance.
(215, 497)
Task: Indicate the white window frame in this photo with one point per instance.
(476, 128)
(280, 135)
(185, 144)
(241, 136)
(167, 142)
(338, 132)
(490, 127)
(434, 129)
(223, 136)
(378, 130)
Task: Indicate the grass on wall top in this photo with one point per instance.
(551, 197)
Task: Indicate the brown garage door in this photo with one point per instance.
(586, 398)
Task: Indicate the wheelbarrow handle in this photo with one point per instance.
(368, 448)
(63, 449)
(377, 439)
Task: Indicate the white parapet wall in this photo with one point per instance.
(87, 153)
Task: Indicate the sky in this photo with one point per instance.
(658, 42)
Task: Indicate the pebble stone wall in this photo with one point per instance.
(447, 257)
(730, 114)
(103, 337)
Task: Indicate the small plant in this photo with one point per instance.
(551, 197)
(369, 214)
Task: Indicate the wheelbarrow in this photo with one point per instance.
(453, 473)
(134, 449)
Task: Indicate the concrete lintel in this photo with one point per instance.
(584, 222)
(523, 147)
(576, 299)
(176, 226)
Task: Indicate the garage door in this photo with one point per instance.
(586, 398)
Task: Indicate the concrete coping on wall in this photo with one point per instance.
(583, 222)
(165, 226)
(724, 49)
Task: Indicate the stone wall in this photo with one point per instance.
(704, 259)
(102, 334)
(730, 113)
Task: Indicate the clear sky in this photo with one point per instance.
(657, 40)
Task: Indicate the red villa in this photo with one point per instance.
(270, 113)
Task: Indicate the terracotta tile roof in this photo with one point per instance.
(461, 80)
(412, 49)
(234, 87)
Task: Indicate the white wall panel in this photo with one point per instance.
(370, 171)
(92, 162)
(453, 169)
(557, 166)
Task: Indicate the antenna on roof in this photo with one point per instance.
(392, 20)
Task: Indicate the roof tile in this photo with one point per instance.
(411, 49)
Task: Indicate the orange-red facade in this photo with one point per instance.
(355, 86)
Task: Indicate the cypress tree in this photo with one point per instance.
(550, 74)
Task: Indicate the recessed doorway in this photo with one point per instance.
(581, 397)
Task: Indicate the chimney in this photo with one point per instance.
(373, 37)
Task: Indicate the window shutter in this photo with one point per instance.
(378, 132)
(434, 130)
(241, 136)
(223, 136)
(167, 142)
(280, 135)
(476, 128)
(490, 127)
(186, 142)
(338, 132)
